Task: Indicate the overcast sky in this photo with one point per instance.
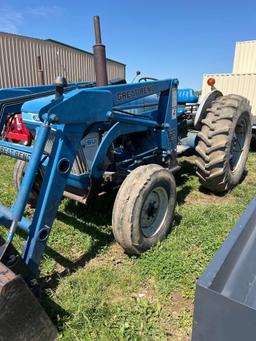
(162, 38)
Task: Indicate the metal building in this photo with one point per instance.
(242, 80)
(19, 62)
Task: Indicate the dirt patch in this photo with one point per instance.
(177, 316)
(59, 268)
(250, 179)
(114, 257)
(202, 198)
(148, 291)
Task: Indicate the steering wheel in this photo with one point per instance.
(145, 79)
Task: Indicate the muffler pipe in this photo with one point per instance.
(99, 53)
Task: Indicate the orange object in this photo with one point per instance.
(211, 81)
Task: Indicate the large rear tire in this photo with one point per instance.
(224, 142)
(18, 174)
(143, 209)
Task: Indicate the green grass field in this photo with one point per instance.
(92, 291)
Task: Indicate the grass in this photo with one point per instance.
(92, 291)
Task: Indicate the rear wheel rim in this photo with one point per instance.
(154, 211)
(238, 143)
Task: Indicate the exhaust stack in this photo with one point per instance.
(99, 53)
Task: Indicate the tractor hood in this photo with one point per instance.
(35, 105)
(30, 111)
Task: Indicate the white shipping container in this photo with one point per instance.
(245, 57)
(240, 84)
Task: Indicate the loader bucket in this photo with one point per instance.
(225, 303)
(22, 318)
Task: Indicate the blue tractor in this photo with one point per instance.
(92, 137)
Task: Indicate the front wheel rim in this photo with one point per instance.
(154, 211)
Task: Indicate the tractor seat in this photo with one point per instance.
(186, 96)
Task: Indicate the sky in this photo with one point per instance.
(161, 38)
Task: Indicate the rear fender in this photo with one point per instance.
(205, 103)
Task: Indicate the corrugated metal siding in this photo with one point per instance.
(18, 65)
(243, 84)
(245, 57)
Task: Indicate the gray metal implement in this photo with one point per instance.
(225, 305)
(21, 316)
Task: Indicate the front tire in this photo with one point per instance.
(224, 143)
(143, 209)
(18, 174)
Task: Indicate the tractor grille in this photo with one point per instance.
(79, 165)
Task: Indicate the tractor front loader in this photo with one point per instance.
(97, 136)
(90, 117)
